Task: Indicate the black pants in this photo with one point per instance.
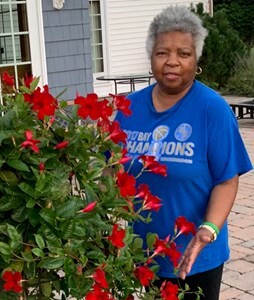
(208, 281)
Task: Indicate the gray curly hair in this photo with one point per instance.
(177, 18)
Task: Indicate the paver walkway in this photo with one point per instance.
(238, 276)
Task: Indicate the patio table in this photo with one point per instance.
(130, 79)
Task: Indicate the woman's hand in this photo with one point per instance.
(221, 200)
(197, 243)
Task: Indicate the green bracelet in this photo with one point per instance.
(214, 227)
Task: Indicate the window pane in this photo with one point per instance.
(22, 48)
(96, 36)
(24, 70)
(6, 55)
(14, 39)
(5, 19)
(19, 17)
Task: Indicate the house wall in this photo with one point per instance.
(68, 50)
(126, 26)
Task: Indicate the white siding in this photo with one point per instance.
(127, 23)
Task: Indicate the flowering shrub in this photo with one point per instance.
(63, 216)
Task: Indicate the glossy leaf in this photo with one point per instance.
(18, 165)
(51, 263)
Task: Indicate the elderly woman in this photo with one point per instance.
(190, 128)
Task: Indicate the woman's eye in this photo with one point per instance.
(185, 54)
(161, 53)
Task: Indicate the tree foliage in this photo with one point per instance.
(222, 46)
(240, 15)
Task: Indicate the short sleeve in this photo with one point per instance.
(227, 155)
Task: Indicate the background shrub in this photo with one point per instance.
(222, 46)
(242, 82)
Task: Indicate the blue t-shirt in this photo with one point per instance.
(199, 141)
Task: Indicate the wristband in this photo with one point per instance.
(213, 232)
(214, 227)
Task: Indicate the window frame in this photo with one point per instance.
(103, 9)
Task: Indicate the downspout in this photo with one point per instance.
(210, 3)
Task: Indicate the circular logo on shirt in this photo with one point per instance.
(183, 132)
(160, 133)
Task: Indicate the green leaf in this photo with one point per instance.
(48, 215)
(34, 83)
(69, 266)
(51, 263)
(9, 177)
(90, 193)
(69, 209)
(30, 203)
(8, 202)
(137, 244)
(150, 239)
(25, 89)
(18, 165)
(67, 229)
(3, 136)
(13, 233)
(27, 189)
(38, 252)
(5, 249)
(181, 296)
(39, 241)
(46, 288)
(27, 255)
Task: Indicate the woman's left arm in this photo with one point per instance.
(220, 204)
(221, 201)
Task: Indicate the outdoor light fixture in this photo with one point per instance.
(58, 4)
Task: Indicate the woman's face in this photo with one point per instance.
(174, 61)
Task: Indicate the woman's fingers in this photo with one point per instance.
(198, 242)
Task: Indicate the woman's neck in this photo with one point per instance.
(163, 101)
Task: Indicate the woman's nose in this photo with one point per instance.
(172, 59)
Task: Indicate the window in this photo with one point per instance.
(15, 57)
(96, 36)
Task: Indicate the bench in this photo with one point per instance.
(243, 110)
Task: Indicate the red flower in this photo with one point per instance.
(144, 275)
(28, 80)
(30, 142)
(89, 106)
(150, 201)
(98, 294)
(184, 226)
(12, 281)
(161, 246)
(100, 277)
(130, 297)
(173, 254)
(41, 167)
(90, 206)
(105, 108)
(117, 236)
(62, 145)
(126, 183)
(42, 102)
(154, 166)
(169, 291)
(7, 79)
(124, 157)
(122, 104)
(116, 134)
